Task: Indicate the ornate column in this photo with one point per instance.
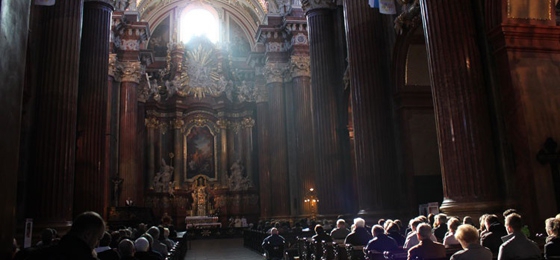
(91, 183)
(461, 108)
(111, 126)
(375, 156)
(261, 98)
(222, 123)
(301, 89)
(274, 72)
(50, 195)
(152, 124)
(178, 124)
(247, 124)
(327, 143)
(128, 149)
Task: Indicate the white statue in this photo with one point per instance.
(163, 177)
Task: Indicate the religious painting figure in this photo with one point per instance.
(200, 152)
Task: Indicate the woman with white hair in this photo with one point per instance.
(359, 236)
(467, 236)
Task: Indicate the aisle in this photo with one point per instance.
(220, 249)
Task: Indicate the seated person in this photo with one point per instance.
(126, 249)
(467, 235)
(426, 247)
(359, 236)
(340, 232)
(492, 238)
(450, 240)
(412, 238)
(380, 242)
(440, 226)
(552, 246)
(273, 245)
(516, 245)
(393, 231)
(320, 234)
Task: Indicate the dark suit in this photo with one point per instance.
(360, 237)
(552, 247)
(382, 243)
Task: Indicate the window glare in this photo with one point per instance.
(199, 22)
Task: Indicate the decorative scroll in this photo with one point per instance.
(274, 72)
(308, 5)
(299, 66)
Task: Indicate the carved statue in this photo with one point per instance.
(163, 177)
(116, 189)
(236, 180)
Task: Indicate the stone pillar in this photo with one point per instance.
(111, 126)
(461, 108)
(247, 124)
(128, 142)
(50, 195)
(303, 130)
(15, 23)
(274, 72)
(375, 155)
(263, 146)
(152, 124)
(91, 179)
(178, 124)
(222, 123)
(327, 146)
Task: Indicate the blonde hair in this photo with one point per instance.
(467, 234)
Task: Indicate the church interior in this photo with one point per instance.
(277, 109)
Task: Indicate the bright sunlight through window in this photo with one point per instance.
(198, 22)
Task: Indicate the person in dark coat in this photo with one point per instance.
(552, 246)
(393, 232)
(492, 238)
(86, 231)
(273, 245)
(104, 251)
(359, 236)
(320, 235)
(127, 250)
(440, 226)
(381, 242)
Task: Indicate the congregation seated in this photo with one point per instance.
(320, 235)
(492, 237)
(340, 232)
(104, 251)
(157, 245)
(359, 236)
(450, 240)
(467, 235)
(273, 245)
(426, 248)
(126, 249)
(142, 246)
(440, 226)
(516, 245)
(380, 242)
(412, 238)
(392, 230)
(150, 250)
(552, 246)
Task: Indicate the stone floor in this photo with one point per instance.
(220, 249)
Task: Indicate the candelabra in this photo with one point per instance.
(312, 200)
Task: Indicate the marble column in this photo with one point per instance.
(263, 138)
(178, 124)
(303, 130)
(248, 124)
(222, 124)
(327, 143)
(50, 195)
(461, 107)
(91, 179)
(274, 72)
(374, 141)
(128, 138)
(112, 126)
(152, 124)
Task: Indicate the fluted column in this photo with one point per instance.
(222, 124)
(303, 130)
(375, 156)
(128, 149)
(50, 197)
(247, 124)
(91, 181)
(461, 108)
(263, 141)
(152, 124)
(274, 72)
(178, 124)
(327, 146)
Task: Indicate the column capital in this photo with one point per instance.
(110, 3)
(274, 72)
(151, 122)
(130, 71)
(248, 122)
(300, 66)
(113, 68)
(177, 123)
(309, 5)
(222, 123)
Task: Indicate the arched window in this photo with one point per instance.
(197, 21)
